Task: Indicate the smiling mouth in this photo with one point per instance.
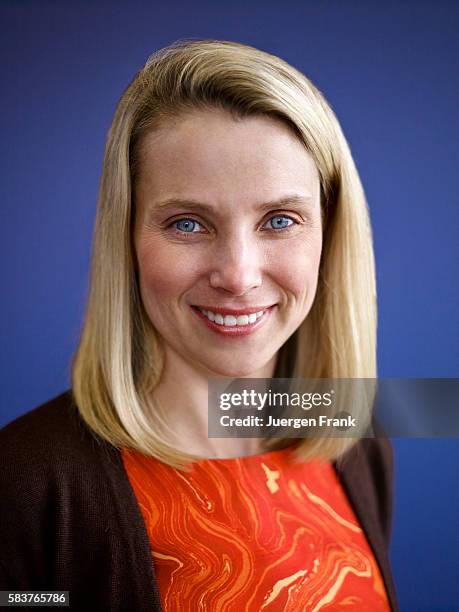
(247, 318)
(231, 320)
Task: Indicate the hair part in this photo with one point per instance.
(119, 360)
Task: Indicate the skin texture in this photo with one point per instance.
(229, 256)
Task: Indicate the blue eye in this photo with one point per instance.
(186, 226)
(280, 222)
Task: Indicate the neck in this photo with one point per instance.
(182, 402)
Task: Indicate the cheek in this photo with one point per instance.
(164, 275)
(155, 275)
(297, 268)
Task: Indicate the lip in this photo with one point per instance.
(233, 311)
(234, 331)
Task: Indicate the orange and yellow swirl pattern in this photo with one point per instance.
(255, 534)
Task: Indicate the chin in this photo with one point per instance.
(235, 373)
(238, 370)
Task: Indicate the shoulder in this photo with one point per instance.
(57, 480)
(368, 471)
(45, 419)
(68, 511)
(52, 432)
(49, 452)
(375, 453)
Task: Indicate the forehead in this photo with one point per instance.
(212, 151)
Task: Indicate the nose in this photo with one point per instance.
(236, 266)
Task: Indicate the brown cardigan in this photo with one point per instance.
(69, 519)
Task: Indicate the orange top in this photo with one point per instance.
(253, 534)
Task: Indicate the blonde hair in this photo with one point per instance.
(119, 359)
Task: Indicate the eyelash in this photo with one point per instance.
(277, 231)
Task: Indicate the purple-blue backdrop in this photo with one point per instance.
(389, 71)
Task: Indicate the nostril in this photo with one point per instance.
(235, 282)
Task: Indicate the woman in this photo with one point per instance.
(232, 240)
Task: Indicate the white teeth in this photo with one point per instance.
(231, 320)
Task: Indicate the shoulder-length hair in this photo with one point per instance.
(119, 359)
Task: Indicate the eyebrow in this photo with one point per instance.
(295, 200)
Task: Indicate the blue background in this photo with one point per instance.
(389, 70)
